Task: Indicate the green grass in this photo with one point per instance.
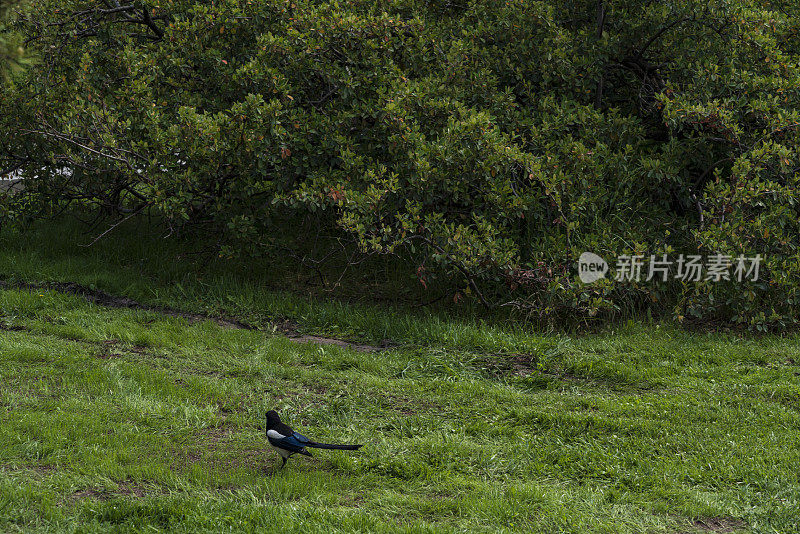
(124, 419)
(128, 420)
(136, 262)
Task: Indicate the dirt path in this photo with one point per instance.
(101, 298)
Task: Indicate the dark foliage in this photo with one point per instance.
(491, 142)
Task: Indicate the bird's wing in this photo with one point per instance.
(301, 438)
(290, 442)
(286, 430)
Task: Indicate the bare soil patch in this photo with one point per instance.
(719, 524)
(125, 488)
(339, 343)
(504, 364)
(101, 298)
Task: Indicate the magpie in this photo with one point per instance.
(287, 442)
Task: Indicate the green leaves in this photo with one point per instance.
(492, 142)
(12, 51)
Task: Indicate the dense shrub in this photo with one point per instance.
(12, 53)
(492, 142)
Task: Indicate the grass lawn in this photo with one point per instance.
(125, 419)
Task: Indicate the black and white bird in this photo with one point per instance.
(287, 442)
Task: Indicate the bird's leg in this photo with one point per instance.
(284, 462)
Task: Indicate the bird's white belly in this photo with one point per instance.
(283, 452)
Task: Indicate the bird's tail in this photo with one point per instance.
(332, 446)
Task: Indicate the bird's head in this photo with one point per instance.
(273, 419)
